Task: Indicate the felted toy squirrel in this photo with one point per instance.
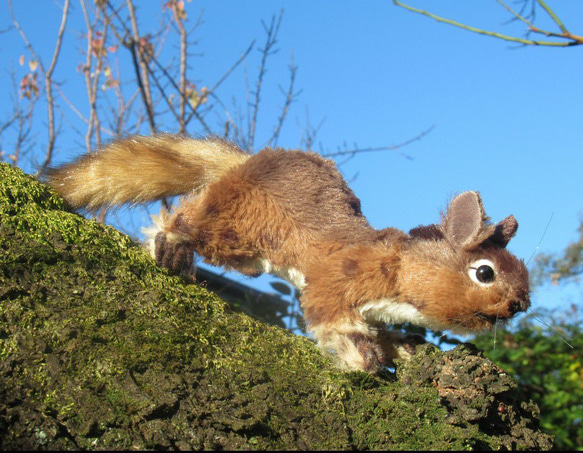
(291, 214)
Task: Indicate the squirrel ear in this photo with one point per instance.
(466, 224)
(505, 231)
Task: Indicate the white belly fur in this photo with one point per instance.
(392, 312)
(290, 274)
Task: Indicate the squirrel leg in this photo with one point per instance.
(360, 346)
(174, 238)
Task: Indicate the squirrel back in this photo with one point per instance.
(141, 169)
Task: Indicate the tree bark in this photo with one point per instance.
(100, 349)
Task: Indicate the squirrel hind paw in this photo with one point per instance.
(178, 257)
(169, 249)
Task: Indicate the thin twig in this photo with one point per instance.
(48, 77)
(515, 14)
(140, 67)
(221, 80)
(177, 87)
(49, 90)
(23, 122)
(290, 96)
(90, 87)
(270, 42)
(182, 90)
(166, 97)
(551, 13)
(383, 148)
(309, 132)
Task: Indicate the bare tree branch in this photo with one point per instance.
(310, 132)
(571, 39)
(396, 147)
(179, 23)
(23, 121)
(551, 13)
(212, 90)
(270, 42)
(48, 73)
(140, 66)
(290, 96)
(91, 86)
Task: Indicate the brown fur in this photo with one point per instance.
(291, 213)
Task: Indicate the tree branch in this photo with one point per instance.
(270, 42)
(183, 66)
(140, 67)
(551, 13)
(290, 96)
(48, 77)
(572, 40)
(383, 148)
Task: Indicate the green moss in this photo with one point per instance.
(101, 349)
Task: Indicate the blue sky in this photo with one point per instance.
(507, 119)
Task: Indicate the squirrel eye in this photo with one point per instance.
(482, 272)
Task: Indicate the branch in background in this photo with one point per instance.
(201, 98)
(268, 50)
(571, 39)
(122, 110)
(22, 120)
(212, 90)
(179, 15)
(310, 132)
(139, 50)
(95, 47)
(290, 96)
(553, 16)
(78, 113)
(47, 73)
(396, 147)
(180, 93)
(563, 267)
(49, 89)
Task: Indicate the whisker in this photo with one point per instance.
(555, 330)
(541, 239)
(495, 330)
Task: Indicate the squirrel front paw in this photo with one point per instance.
(175, 256)
(409, 343)
(395, 345)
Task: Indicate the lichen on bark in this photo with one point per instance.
(100, 349)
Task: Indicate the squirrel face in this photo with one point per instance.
(465, 291)
(459, 274)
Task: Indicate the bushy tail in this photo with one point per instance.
(138, 169)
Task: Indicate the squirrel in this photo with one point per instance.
(290, 213)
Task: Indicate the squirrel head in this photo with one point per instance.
(459, 275)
